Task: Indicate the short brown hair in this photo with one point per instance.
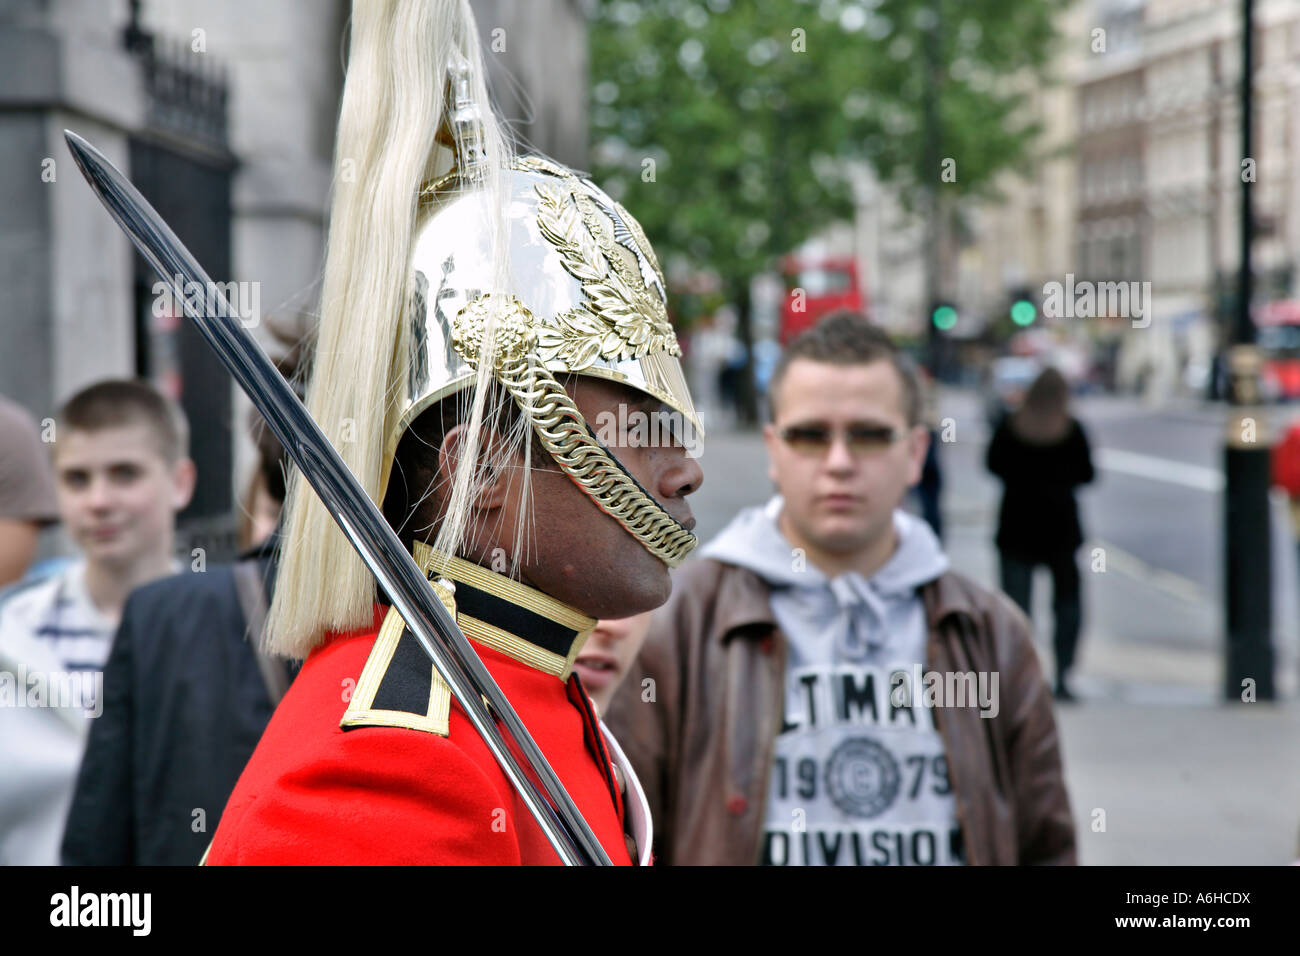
(848, 338)
(118, 402)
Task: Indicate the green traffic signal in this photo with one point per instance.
(944, 318)
(1023, 312)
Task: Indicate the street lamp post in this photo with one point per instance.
(935, 353)
(1248, 663)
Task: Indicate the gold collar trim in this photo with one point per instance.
(512, 618)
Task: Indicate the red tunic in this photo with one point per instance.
(316, 793)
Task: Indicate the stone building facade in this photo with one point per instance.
(223, 114)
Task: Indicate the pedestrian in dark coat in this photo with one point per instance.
(186, 698)
(1041, 453)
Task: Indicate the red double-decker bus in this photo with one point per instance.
(815, 287)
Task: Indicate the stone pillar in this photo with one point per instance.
(65, 267)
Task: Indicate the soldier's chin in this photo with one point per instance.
(640, 583)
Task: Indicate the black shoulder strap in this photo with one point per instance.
(252, 601)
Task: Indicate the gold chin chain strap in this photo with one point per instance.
(563, 433)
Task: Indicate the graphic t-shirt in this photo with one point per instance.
(860, 775)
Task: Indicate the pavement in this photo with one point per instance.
(1160, 770)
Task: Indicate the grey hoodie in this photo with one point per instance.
(808, 605)
(859, 774)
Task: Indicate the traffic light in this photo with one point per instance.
(1024, 310)
(944, 317)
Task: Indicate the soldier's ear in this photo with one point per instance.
(490, 482)
(449, 455)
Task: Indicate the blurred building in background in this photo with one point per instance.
(1194, 166)
(1015, 243)
(1022, 238)
(1106, 241)
(222, 112)
(889, 242)
(1150, 178)
(1140, 180)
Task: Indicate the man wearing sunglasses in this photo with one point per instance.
(822, 689)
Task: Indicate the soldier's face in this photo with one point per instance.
(580, 554)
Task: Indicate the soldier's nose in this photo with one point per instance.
(683, 478)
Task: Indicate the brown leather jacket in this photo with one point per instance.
(702, 736)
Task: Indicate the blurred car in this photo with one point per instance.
(1005, 384)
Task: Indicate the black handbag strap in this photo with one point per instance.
(252, 600)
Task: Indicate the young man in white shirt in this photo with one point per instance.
(122, 472)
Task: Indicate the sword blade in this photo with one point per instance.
(496, 721)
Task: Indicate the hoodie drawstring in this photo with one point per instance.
(859, 631)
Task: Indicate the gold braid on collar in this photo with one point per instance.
(507, 616)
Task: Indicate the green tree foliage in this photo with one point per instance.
(723, 124)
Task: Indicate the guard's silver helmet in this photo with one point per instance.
(586, 296)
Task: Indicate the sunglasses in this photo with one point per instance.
(816, 440)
